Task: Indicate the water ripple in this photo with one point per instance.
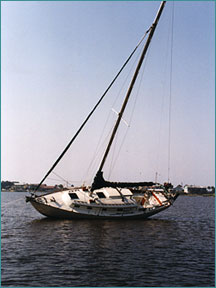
(175, 248)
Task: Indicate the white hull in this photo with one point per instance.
(116, 204)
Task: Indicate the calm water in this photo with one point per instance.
(173, 248)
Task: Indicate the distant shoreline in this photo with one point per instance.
(181, 194)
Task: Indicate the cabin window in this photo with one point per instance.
(88, 207)
(115, 197)
(73, 196)
(101, 195)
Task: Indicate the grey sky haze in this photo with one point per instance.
(58, 58)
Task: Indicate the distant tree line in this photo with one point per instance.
(7, 184)
(16, 186)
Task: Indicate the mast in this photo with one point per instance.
(152, 29)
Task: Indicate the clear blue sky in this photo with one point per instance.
(58, 58)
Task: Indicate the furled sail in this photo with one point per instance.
(100, 182)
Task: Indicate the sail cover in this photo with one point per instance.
(99, 182)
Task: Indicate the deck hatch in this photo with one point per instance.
(73, 196)
(101, 195)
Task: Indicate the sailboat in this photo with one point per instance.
(104, 199)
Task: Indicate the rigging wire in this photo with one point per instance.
(97, 180)
(169, 48)
(66, 181)
(89, 115)
(163, 84)
(99, 145)
(114, 160)
(132, 113)
(52, 179)
(170, 97)
(98, 150)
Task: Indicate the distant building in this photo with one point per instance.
(45, 188)
(19, 187)
(179, 189)
(199, 190)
